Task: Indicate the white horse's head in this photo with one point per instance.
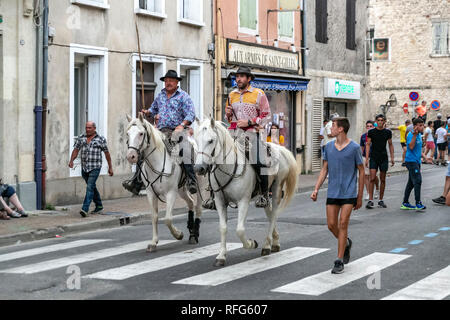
(207, 139)
(140, 134)
(212, 140)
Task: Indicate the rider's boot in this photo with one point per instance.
(134, 185)
(191, 178)
(262, 200)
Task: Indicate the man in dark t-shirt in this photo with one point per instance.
(376, 141)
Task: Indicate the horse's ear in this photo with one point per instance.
(141, 117)
(129, 118)
(213, 123)
(197, 120)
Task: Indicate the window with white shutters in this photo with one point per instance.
(286, 26)
(248, 16)
(440, 38)
(317, 119)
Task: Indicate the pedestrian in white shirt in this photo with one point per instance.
(442, 144)
(429, 140)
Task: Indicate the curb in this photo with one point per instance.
(118, 221)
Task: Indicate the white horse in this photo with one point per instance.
(161, 174)
(233, 180)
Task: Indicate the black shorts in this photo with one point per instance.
(403, 144)
(442, 146)
(341, 202)
(382, 164)
(8, 192)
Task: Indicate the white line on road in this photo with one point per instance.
(251, 267)
(80, 258)
(47, 249)
(323, 282)
(161, 263)
(434, 287)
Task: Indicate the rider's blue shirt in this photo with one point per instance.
(173, 111)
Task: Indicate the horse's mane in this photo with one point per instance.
(155, 134)
(225, 134)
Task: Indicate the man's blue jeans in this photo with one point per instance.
(91, 189)
(414, 181)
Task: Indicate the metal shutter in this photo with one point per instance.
(317, 117)
(351, 21)
(321, 21)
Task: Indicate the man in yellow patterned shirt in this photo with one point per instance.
(248, 109)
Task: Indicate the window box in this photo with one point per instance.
(102, 4)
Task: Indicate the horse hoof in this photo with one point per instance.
(265, 252)
(255, 244)
(219, 263)
(151, 248)
(193, 240)
(180, 237)
(276, 248)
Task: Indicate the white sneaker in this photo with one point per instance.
(376, 195)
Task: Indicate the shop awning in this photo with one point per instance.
(277, 84)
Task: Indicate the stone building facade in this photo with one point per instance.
(419, 56)
(93, 74)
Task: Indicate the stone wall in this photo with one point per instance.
(412, 67)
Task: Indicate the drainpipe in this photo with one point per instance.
(303, 45)
(38, 109)
(303, 42)
(44, 98)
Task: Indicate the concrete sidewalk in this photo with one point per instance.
(67, 220)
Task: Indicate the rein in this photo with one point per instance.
(212, 171)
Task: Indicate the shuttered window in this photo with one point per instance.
(351, 22)
(440, 38)
(248, 14)
(321, 21)
(286, 25)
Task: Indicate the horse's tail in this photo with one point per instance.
(290, 181)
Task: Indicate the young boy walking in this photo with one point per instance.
(344, 192)
(413, 160)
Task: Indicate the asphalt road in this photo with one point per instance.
(385, 257)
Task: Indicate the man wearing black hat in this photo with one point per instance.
(173, 110)
(248, 109)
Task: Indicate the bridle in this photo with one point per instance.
(160, 174)
(213, 168)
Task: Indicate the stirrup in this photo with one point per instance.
(262, 202)
(209, 204)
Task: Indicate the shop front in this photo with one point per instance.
(276, 72)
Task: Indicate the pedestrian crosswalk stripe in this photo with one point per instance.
(80, 258)
(326, 281)
(251, 267)
(161, 263)
(47, 249)
(433, 287)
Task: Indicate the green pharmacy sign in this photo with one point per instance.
(342, 89)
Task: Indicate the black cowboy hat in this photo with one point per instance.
(171, 74)
(245, 70)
